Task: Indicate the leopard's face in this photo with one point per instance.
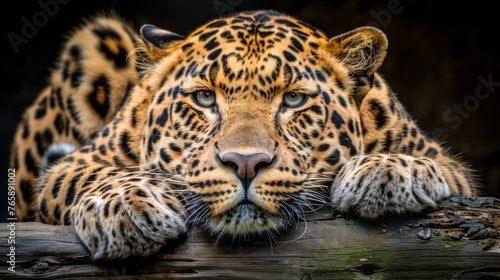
(258, 114)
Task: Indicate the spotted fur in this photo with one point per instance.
(240, 128)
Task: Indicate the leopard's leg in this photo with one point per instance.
(87, 86)
(402, 170)
(117, 212)
(375, 184)
(120, 206)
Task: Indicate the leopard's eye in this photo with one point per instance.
(204, 98)
(293, 99)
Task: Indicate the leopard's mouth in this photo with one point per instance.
(245, 201)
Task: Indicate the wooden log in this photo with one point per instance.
(459, 240)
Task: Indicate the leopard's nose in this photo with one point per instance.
(247, 165)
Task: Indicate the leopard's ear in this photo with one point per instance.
(362, 51)
(157, 41)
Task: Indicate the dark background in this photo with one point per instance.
(438, 50)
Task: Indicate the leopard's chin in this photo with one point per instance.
(245, 220)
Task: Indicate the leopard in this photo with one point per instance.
(240, 128)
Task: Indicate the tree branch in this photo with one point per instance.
(460, 240)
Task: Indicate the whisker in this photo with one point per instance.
(220, 235)
(271, 238)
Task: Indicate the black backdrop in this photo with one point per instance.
(440, 52)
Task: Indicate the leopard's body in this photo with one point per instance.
(240, 128)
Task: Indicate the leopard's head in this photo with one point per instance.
(258, 110)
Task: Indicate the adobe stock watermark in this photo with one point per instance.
(384, 16)
(224, 7)
(455, 115)
(30, 27)
(11, 219)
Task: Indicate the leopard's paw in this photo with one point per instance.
(375, 184)
(134, 220)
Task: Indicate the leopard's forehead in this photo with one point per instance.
(256, 32)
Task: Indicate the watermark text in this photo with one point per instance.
(458, 112)
(30, 27)
(11, 219)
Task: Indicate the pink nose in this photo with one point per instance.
(247, 164)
